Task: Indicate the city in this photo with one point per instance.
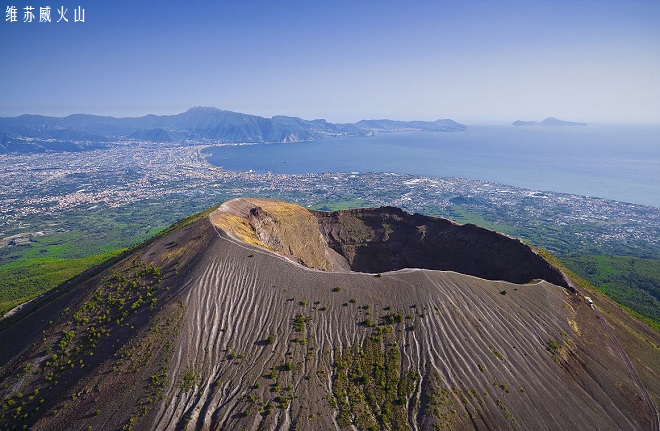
(131, 174)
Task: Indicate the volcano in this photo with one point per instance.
(261, 314)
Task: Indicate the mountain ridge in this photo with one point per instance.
(200, 123)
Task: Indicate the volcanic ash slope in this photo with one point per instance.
(266, 318)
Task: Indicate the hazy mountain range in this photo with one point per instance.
(36, 133)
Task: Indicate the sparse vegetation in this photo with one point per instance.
(188, 380)
(370, 389)
(300, 322)
(393, 318)
(553, 347)
(497, 354)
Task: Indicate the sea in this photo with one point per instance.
(621, 163)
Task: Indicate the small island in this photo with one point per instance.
(550, 121)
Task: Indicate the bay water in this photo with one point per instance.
(614, 162)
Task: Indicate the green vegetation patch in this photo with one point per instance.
(188, 380)
(583, 283)
(370, 389)
(631, 281)
(464, 216)
(29, 277)
(300, 322)
(330, 205)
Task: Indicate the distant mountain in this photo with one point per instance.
(22, 146)
(550, 121)
(153, 135)
(391, 125)
(196, 123)
(525, 123)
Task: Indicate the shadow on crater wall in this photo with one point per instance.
(388, 239)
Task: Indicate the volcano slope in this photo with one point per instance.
(262, 315)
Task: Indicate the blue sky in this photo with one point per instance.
(473, 61)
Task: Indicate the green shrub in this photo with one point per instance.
(188, 380)
(553, 346)
(300, 322)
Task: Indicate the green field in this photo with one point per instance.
(339, 205)
(463, 216)
(73, 243)
(27, 277)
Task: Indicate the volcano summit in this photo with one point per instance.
(260, 314)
